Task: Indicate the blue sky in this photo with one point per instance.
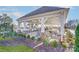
(73, 13)
(18, 11)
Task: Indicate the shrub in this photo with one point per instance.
(64, 45)
(28, 36)
(54, 44)
(22, 35)
(39, 39)
(32, 37)
(2, 38)
(46, 42)
(69, 36)
(77, 39)
(73, 41)
(5, 38)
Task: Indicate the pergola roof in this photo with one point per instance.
(41, 10)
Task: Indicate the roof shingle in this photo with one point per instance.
(41, 10)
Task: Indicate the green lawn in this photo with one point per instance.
(15, 49)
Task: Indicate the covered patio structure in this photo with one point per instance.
(45, 20)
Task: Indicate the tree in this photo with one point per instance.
(6, 24)
(76, 49)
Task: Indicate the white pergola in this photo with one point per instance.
(49, 19)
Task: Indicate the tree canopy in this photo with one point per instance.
(5, 23)
(77, 39)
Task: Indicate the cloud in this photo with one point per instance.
(13, 12)
(17, 14)
(14, 15)
(8, 9)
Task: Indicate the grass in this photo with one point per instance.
(20, 48)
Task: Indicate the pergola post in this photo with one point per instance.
(42, 21)
(62, 26)
(24, 25)
(42, 25)
(19, 26)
